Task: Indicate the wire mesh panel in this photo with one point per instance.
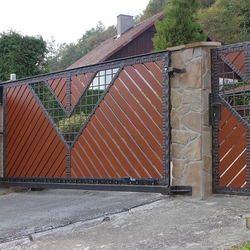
(230, 112)
(105, 123)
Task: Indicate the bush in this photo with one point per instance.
(69, 127)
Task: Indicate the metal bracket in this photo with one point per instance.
(171, 71)
(215, 108)
(182, 190)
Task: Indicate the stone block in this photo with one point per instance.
(198, 52)
(177, 151)
(192, 151)
(175, 99)
(194, 179)
(188, 54)
(207, 81)
(186, 97)
(178, 167)
(207, 142)
(183, 109)
(192, 121)
(196, 100)
(207, 185)
(192, 78)
(175, 124)
(174, 82)
(207, 163)
(180, 137)
(177, 60)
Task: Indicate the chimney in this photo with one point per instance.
(124, 22)
(12, 77)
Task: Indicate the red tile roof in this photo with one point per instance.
(107, 48)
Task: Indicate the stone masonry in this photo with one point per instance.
(191, 149)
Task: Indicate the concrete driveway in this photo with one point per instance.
(77, 219)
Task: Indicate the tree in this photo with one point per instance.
(22, 55)
(153, 7)
(206, 3)
(179, 25)
(52, 54)
(69, 53)
(227, 21)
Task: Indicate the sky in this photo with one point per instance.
(65, 20)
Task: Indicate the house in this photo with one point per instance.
(130, 40)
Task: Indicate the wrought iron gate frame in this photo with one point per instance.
(126, 184)
(215, 102)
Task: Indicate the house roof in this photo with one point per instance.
(107, 48)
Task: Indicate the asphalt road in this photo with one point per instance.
(76, 219)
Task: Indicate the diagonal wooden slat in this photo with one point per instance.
(235, 151)
(108, 141)
(152, 81)
(34, 132)
(233, 170)
(139, 117)
(231, 140)
(96, 167)
(240, 180)
(155, 162)
(230, 125)
(154, 115)
(59, 87)
(145, 88)
(77, 84)
(237, 59)
(231, 151)
(156, 71)
(123, 139)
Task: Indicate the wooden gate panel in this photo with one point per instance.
(31, 135)
(230, 105)
(105, 123)
(231, 151)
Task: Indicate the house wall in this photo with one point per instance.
(191, 134)
(141, 45)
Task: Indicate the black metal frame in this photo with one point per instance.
(216, 100)
(126, 184)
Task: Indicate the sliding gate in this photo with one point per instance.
(230, 117)
(103, 126)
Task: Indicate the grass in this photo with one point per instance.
(243, 247)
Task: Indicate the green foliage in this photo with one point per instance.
(153, 7)
(67, 54)
(206, 3)
(22, 55)
(89, 101)
(179, 25)
(244, 247)
(227, 21)
(69, 127)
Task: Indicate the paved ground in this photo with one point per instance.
(76, 219)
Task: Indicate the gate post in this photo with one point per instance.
(191, 149)
(1, 133)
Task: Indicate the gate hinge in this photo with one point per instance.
(215, 108)
(171, 71)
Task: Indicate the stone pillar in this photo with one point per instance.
(191, 148)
